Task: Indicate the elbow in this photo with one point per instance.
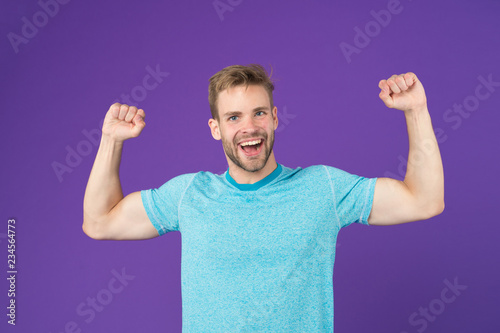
(434, 209)
(440, 208)
(90, 231)
(87, 231)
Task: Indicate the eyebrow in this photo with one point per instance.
(237, 113)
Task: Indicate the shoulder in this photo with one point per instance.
(180, 180)
(204, 182)
(321, 170)
(195, 178)
(329, 174)
(311, 173)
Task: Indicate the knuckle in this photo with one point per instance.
(115, 106)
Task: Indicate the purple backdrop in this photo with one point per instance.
(64, 63)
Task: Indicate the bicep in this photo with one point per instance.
(393, 203)
(128, 220)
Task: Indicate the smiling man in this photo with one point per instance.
(246, 127)
(258, 242)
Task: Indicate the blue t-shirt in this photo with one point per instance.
(259, 257)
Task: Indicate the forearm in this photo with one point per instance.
(424, 174)
(103, 190)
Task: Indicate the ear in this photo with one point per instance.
(214, 128)
(275, 117)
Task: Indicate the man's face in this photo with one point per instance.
(246, 126)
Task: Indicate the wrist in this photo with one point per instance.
(417, 110)
(108, 140)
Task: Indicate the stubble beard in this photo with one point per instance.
(250, 164)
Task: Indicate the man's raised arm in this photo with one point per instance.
(421, 194)
(106, 213)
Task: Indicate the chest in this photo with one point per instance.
(249, 231)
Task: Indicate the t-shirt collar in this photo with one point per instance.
(255, 186)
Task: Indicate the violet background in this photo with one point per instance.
(65, 78)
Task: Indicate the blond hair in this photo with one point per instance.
(237, 75)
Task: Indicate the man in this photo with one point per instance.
(258, 242)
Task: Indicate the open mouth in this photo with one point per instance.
(251, 148)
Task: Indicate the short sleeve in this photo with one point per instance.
(352, 195)
(162, 204)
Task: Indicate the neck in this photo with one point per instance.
(245, 177)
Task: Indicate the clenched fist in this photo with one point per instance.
(123, 122)
(403, 92)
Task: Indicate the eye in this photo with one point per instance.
(261, 113)
(231, 118)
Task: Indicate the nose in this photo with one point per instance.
(249, 125)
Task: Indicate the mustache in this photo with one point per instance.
(263, 135)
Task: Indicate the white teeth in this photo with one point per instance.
(248, 143)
